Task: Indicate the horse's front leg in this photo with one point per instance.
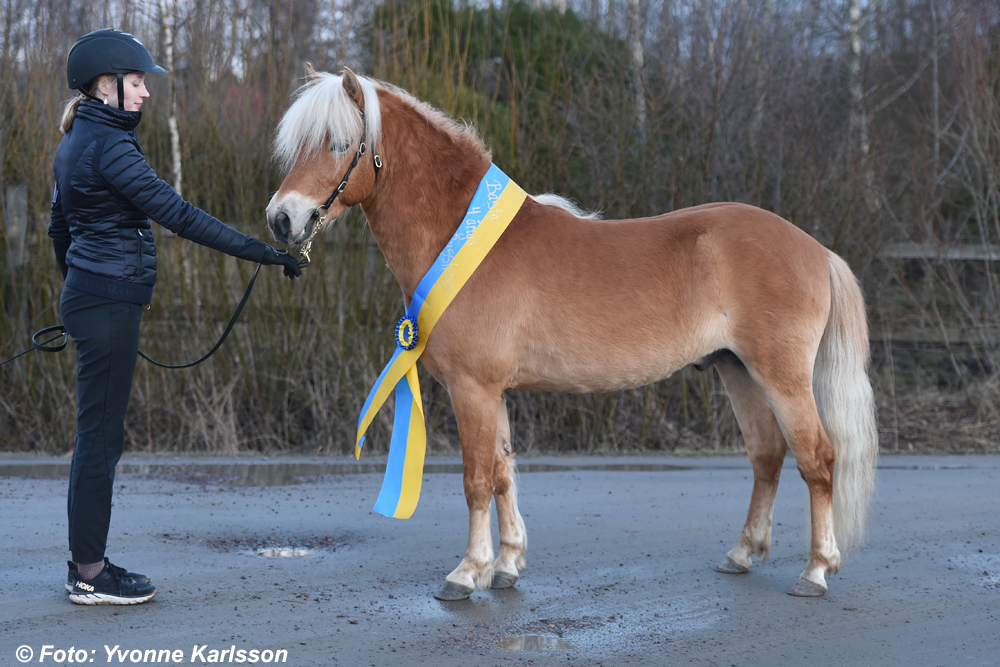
(476, 412)
(513, 536)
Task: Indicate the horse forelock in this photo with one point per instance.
(322, 110)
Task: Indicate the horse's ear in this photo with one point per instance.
(353, 88)
(310, 71)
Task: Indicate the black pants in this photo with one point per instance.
(106, 334)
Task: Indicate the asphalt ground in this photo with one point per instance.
(620, 568)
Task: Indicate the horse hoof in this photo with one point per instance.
(501, 580)
(729, 567)
(450, 592)
(807, 589)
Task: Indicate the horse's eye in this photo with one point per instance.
(340, 146)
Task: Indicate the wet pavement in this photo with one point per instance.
(286, 555)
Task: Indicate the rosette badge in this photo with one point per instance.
(406, 333)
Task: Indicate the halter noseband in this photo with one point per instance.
(320, 218)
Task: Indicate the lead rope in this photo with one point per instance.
(60, 331)
(225, 334)
(43, 346)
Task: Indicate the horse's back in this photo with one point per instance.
(687, 254)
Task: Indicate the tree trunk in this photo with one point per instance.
(167, 12)
(636, 63)
(168, 15)
(858, 117)
(760, 72)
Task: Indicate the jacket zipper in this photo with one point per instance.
(139, 262)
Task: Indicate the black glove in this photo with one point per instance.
(61, 250)
(273, 257)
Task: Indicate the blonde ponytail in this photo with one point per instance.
(69, 113)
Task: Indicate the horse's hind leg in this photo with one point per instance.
(766, 449)
(513, 536)
(794, 406)
(476, 412)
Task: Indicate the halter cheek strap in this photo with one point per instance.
(306, 246)
(354, 163)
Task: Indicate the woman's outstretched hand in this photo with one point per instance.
(274, 257)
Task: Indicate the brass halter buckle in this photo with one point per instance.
(305, 247)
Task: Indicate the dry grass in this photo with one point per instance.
(931, 421)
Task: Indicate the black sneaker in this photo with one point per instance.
(74, 574)
(111, 586)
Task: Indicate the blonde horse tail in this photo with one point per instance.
(846, 404)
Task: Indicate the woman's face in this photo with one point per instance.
(135, 90)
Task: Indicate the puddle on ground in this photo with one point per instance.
(235, 474)
(534, 643)
(985, 568)
(280, 545)
(283, 552)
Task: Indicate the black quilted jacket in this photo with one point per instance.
(105, 194)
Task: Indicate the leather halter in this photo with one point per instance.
(320, 218)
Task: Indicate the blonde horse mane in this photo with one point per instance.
(322, 109)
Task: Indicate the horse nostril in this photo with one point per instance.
(283, 224)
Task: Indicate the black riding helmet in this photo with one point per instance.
(107, 52)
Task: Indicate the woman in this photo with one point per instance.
(105, 192)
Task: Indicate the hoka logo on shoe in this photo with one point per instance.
(86, 587)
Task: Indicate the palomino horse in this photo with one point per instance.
(567, 302)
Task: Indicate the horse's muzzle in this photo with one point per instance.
(291, 219)
(281, 225)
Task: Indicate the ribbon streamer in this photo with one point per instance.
(496, 202)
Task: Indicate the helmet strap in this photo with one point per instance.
(121, 92)
(82, 90)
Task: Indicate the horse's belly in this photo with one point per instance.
(638, 345)
(595, 372)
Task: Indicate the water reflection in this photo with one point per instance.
(534, 643)
(286, 552)
(284, 473)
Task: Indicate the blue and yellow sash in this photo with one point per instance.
(496, 202)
